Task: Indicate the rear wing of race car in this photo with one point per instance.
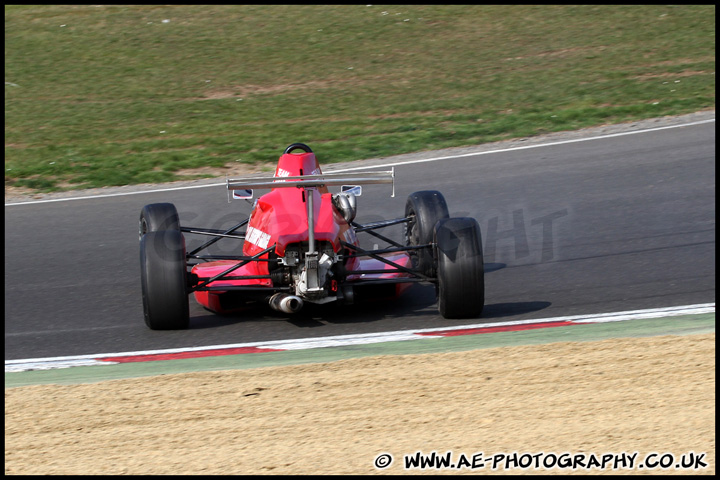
(309, 183)
(244, 186)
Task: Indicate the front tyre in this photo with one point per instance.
(460, 269)
(423, 209)
(163, 276)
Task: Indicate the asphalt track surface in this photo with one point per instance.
(611, 224)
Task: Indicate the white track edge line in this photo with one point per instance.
(394, 164)
(295, 344)
(525, 147)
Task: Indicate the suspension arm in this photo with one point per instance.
(392, 250)
(386, 223)
(232, 269)
(385, 260)
(213, 240)
(377, 235)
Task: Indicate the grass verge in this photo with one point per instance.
(117, 95)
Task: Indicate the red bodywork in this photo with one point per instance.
(280, 218)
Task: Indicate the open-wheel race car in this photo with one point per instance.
(300, 246)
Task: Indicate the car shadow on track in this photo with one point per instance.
(493, 267)
(417, 302)
(498, 310)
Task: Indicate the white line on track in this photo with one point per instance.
(22, 365)
(525, 147)
(392, 164)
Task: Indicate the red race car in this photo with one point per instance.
(301, 245)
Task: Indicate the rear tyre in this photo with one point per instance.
(460, 270)
(163, 276)
(423, 209)
(158, 216)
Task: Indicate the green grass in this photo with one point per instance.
(113, 95)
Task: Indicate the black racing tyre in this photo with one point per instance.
(423, 209)
(158, 216)
(460, 269)
(163, 276)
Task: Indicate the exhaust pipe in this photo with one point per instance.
(282, 302)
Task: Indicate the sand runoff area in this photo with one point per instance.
(645, 395)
